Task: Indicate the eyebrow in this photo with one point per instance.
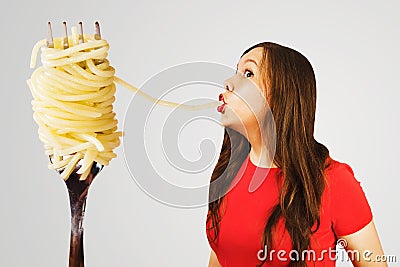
(247, 60)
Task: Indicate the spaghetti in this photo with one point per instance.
(73, 95)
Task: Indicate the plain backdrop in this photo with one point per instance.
(352, 45)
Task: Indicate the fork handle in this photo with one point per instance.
(76, 256)
(78, 191)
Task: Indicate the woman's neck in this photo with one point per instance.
(258, 154)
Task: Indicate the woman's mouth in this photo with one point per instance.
(221, 107)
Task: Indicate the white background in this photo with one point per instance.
(353, 47)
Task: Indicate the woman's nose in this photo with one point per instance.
(228, 85)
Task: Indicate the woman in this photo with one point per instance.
(281, 200)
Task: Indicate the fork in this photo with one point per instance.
(77, 189)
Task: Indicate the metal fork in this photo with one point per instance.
(77, 189)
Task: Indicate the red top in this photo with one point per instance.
(344, 210)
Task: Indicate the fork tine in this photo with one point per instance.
(66, 45)
(50, 43)
(97, 34)
(80, 28)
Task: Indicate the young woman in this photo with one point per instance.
(276, 196)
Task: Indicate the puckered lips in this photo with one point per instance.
(221, 107)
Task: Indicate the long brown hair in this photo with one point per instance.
(291, 94)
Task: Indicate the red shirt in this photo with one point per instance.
(344, 210)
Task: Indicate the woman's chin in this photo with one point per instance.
(224, 121)
(232, 122)
(232, 125)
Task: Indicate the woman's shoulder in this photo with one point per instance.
(340, 178)
(342, 184)
(350, 210)
(337, 171)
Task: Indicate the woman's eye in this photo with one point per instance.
(248, 74)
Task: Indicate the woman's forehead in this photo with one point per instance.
(254, 55)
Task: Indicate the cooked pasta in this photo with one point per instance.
(73, 95)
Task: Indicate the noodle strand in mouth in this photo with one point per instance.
(73, 95)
